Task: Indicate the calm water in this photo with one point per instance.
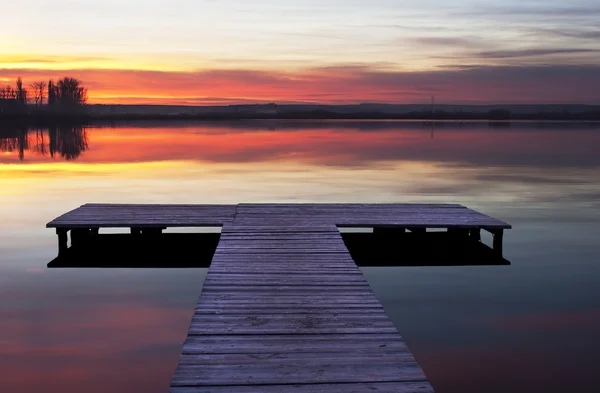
(532, 326)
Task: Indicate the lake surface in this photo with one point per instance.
(531, 326)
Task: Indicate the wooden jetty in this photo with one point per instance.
(284, 308)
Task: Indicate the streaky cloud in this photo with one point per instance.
(464, 42)
(503, 54)
(537, 11)
(584, 34)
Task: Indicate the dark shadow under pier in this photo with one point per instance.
(196, 250)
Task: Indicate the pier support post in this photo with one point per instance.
(62, 240)
(497, 243)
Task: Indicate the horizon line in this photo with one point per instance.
(347, 104)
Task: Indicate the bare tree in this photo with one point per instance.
(39, 92)
(8, 93)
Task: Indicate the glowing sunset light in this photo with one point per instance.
(197, 53)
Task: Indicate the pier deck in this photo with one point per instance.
(284, 308)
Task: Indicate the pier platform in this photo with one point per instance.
(284, 307)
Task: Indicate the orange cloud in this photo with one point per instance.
(344, 84)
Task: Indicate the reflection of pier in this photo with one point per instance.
(284, 307)
(65, 141)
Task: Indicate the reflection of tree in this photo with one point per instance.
(40, 142)
(66, 141)
(72, 141)
(15, 139)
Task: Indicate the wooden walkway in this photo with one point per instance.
(284, 308)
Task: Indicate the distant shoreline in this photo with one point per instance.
(50, 119)
(115, 113)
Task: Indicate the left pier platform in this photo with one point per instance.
(87, 219)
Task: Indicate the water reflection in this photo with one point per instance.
(65, 141)
(546, 163)
(334, 143)
(520, 328)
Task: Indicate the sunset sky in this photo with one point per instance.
(334, 51)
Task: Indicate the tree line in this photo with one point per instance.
(66, 92)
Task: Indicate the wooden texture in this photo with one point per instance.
(145, 216)
(377, 387)
(284, 308)
(281, 217)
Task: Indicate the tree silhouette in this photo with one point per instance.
(8, 93)
(21, 93)
(67, 93)
(39, 92)
(51, 93)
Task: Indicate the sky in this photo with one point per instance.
(326, 51)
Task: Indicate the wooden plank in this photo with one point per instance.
(290, 324)
(270, 277)
(295, 343)
(281, 260)
(223, 267)
(259, 374)
(283, 281)
(269, 207)
(321, 242)
(284, 358)
(271, 251)
(348, 306)
(268, 266)
(305, 228)
(281, 290)
(359, 387)
(290, 255)
(313, 259)
(242, 300)
(285, 270)
(341, 268)
(334, 236)
(271, 243)
(250, 310)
